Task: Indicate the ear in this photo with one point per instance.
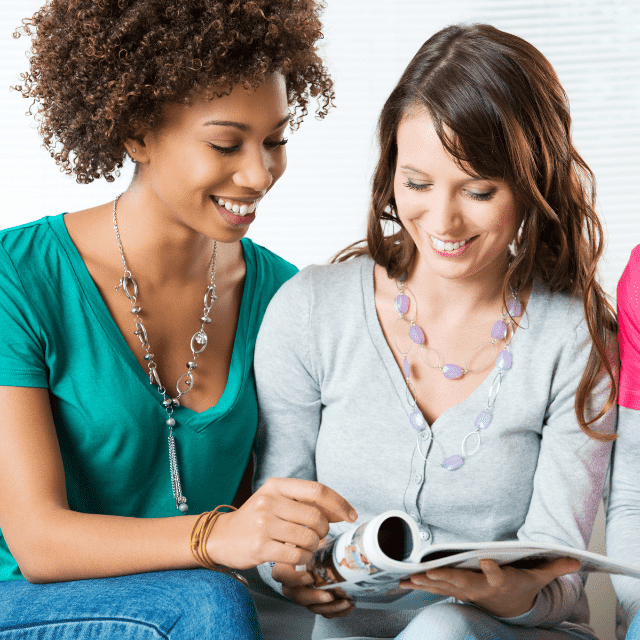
(137, 148)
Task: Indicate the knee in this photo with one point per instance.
(446, 621)
(215, 606)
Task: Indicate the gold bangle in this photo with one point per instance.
(200, 535)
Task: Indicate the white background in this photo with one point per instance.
(320, 204)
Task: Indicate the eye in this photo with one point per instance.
(415, 186)
(277, 143)
(487, 195)
(224, 150)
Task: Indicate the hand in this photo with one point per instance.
(295, 584)
(505, 592)
(283, 521)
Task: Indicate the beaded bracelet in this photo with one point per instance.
(200, 535)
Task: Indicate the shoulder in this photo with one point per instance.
(325, 293)
(326, 281)
(269, 269)
(628, 292)
(557, 316)
(32, 249)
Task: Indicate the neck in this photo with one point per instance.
(159, 249)
(458, 298)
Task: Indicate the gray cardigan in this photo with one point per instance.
(333, 408)
(623, 514)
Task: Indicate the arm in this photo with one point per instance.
(567, 486)
(51, 543)
(623, 514)
(290, 408)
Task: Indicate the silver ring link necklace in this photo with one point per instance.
(184, 384)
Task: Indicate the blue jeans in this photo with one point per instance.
(175, 605)
(454, 621)
(634, 629)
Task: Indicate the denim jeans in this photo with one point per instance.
(453, 621)
(175, 605)
(634, 629)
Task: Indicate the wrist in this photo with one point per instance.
(507, 606)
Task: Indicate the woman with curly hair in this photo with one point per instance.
(460, 366)
(129, 328)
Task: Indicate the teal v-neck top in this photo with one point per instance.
(57, 333)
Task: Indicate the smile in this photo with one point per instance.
(239, 209)
(443, 245)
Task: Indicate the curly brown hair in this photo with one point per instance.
(102, 69)
(499, 110)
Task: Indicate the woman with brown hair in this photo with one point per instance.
(459, 366)
(128, 329)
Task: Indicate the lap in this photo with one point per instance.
(454, 621)
(169, 604)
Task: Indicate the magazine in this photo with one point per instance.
(366, 563)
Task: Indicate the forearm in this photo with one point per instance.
(60, 545)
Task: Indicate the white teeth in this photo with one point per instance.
(239, 210)
(447, 246)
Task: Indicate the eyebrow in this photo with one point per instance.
(410, 168)
(241, 126)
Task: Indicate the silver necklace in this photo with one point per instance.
(502, 329)
(184, 384)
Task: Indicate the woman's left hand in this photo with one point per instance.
(505, 592)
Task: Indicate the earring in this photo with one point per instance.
(133, 150)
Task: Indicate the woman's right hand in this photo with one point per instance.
(282, 522)
(295, 585)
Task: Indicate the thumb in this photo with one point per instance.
(554, 569)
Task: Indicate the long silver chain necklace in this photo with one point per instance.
(503, 329)
(184, 383)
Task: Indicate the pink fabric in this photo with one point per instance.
(629, 336)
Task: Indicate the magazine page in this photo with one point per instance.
(366, 563)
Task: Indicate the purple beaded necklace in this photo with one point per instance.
(502, 330)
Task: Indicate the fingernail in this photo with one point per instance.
(345, 604)
(306, 579)
(326, 597)
(353, 515)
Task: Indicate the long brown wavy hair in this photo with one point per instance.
(499, 110)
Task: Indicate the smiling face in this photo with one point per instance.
(461, 225)
(209, 163)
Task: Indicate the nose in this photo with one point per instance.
(443, 211)
(255, 171)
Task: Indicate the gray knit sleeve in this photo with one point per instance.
(623, 513)
(568, 482)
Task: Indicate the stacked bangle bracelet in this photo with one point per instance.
(200, 535)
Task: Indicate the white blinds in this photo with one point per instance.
(320, 204)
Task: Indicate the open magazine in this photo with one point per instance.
(366, 563)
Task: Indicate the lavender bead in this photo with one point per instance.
(417, 421)
(452, 371)
(453, 462)
(416, 334)
(504, 360)
(514, 307)
(499, 330)
(402, 303)
(406, 368)
(483, 420)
